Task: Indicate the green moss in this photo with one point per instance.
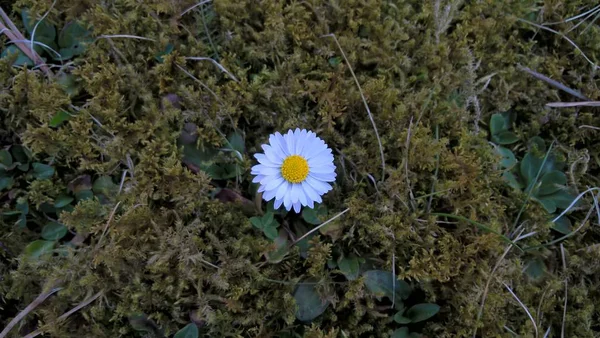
(174, 252)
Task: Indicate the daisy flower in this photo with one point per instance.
(294, 169)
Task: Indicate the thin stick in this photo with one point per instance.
(589, 127)
(407, 146)
(318, 227)
(564, 37)
(223, 69)
(68, 313)
(524, 308)
(564, 318)
(112, 214)
(365, 102)
(15, 36)
(553, 83)
(573, 104)
(38, 23)
(39, 300)
(192, 8)
(124, 36)
(480, 226)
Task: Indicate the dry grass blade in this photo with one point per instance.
(8, 28)
(68, 313)
(524, 308)
(38, 23)
(573, 104)
(36, 302)
(127, 36)
(564, 318)
(564, 37)
(192, 8)
(223, 69)
(362, 95)
(112, 214)
(553, 83)
(319, 226)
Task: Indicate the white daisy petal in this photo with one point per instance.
(261, 188)
(330, 177)
(262, 159)
(297, 207)
(268, 195)
(320, 160)
(281, 142)
(278, 203)
(269, 171)
(322, 169)
(296, 191)
(311, 193)
(287, 202)
(290, 142)
(302, 196)
(271, 154)
(274, 184)
(258, 178)
(320, 187)
(282, 190)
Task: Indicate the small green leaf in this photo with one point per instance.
(551, 183)
(62, 200)
(314, 216)
(73, 40)
(349, 266)
(535, 269)
(310, 305)
(20, 153)
(381, 283)
(256, 222)
(21, 59)
(141, 322)
(38, 248)
(44, 31)
(334, 61)
(105, 186)
(505, 137)
(562, 225)
(508, 158)
(268, 219)
(548, 204)
(401, 333)
(59, 118)
(562, 199)
(42, 171)
(54, 231)
(400, 319)
(160, 55)
(271, 232)
(6, 182)
(281, 248)
(497, 124)
(83, 195)
(5, 159)
(236, 142)
(512, 180)
(189, 331)
(421, 312)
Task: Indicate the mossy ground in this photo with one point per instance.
(165, 246)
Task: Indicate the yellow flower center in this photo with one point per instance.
(294, 169)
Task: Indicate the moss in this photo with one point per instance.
(174, 252)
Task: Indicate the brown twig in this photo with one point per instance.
(553, 83)
(68, 313)
(573, 104)
(36, 302)
(12, 32)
